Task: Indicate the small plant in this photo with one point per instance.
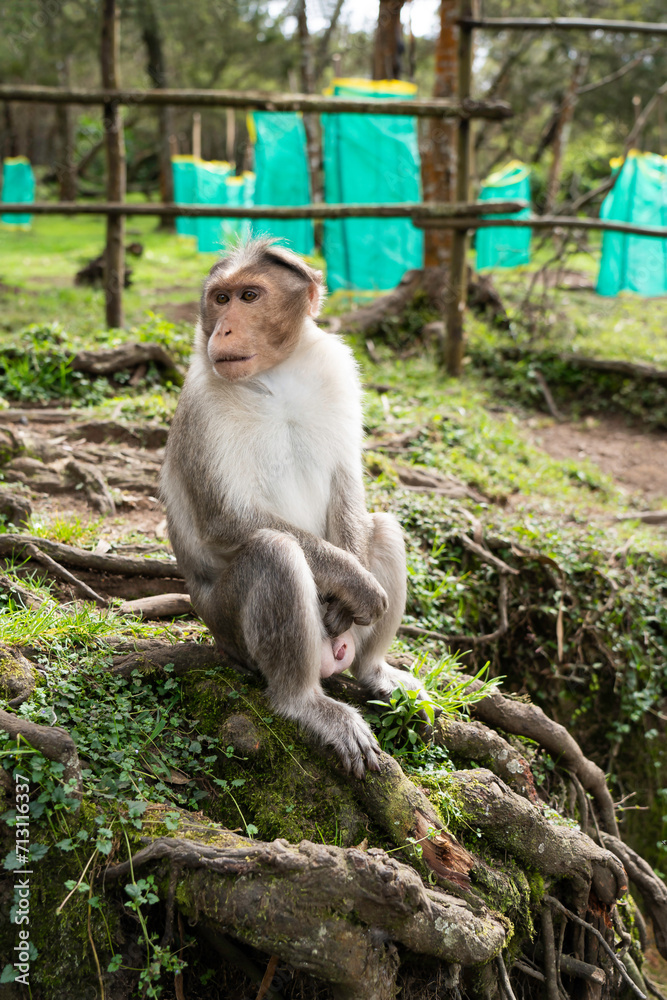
(401, 728)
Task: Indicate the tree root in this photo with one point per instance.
(651, 888)
(513, 823)
(354, 904)
(526, 719)
(556, 904)
(475, 742)
(53, 742)
(18, 676)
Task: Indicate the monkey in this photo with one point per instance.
(266, 512)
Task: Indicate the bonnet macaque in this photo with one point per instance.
(265, 501)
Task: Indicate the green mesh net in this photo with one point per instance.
(505, 246)
(635, 263)
(18, 185)
(367, 159)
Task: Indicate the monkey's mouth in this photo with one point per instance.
(227, 359)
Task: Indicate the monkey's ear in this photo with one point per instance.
(316, 295)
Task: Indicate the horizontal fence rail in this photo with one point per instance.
(259, 100)
(546, 222)
(565, 24)
(425, 215)
(397, 210)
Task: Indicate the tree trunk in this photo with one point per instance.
(156, 68)
(439, 148)
(115, 148)
(389, 45)
(65, 166)
(310, 122)
(561, 133)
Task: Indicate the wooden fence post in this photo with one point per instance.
(457, 281)
(114, 271)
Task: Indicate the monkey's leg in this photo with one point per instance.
(387, 564)
(265, 610)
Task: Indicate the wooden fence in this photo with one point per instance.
(461, 216)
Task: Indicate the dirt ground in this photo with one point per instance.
(637, 462)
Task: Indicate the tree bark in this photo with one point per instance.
(561, 132)
(157, 72)
(389, 46)
(310, 122)
(115, 149)
(439, 147)
(65, 167)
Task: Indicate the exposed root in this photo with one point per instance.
(556, 904)
(526, 719)
(651, 888)
(52, 741)
(356, 902)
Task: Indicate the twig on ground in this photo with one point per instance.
(546, 392)
(64, 574)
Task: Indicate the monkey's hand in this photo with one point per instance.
(363, 602)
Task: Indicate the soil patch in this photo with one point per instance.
(637, 462)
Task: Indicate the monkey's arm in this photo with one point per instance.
(339, 574)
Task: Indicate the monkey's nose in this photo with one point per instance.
(226, 333)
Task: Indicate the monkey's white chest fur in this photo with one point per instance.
(278, 448)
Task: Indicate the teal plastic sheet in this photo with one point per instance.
(281, 175)
(635, 263)
(18, 185)
(185, 191)
(368, 159)
(211, 189)
(505, 246)
(240, 191)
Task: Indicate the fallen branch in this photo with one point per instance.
(159, 606)
(11, 544)
(63, 574)
(488, 557)
(28, 599)
(546, 392)
(53, 742)
(108, 361)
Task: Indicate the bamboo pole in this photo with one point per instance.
(432, 107)
(422, 211)
(565, 24)
(452, 348)
(114, 271)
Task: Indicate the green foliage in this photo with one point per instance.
(404, 729)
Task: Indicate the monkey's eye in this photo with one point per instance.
(249, 295)
(222, 298)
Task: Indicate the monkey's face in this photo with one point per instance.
(253, 318)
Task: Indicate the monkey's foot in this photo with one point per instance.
(339, 726)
